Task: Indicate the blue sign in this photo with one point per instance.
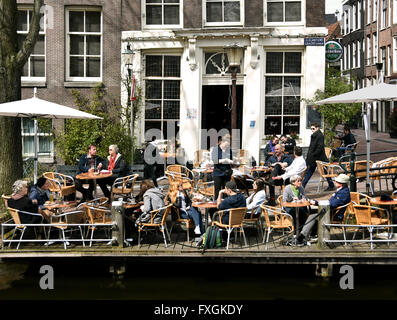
(314, 41)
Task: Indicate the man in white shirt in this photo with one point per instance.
(297, 166)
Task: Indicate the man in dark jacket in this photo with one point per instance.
(233, 200)
(348, 139)
(316, 152)
(88, 162)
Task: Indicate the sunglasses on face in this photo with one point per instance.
(313, 129)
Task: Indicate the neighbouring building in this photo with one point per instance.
(181, 66)
(370, 42)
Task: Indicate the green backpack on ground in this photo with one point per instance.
(212, 238)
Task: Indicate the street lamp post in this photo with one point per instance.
(128, 58)
(234, 54)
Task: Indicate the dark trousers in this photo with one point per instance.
(195, 215)
(103, 183)
(87, 193)
(277, 171)
(308, 175)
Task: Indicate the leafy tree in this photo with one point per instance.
(335, 114)
(12, 60)
(79, 133)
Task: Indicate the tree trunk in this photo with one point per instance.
(12, 61)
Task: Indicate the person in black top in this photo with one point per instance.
(348, 139)
(222, 157)
(288, 144)
(234, 199)
(88, 163)
(153, 164)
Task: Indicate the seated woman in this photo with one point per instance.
(295, 192)
(184, 204)
(20, 201)
(114, 163)
(40, 192)
(151, 196)
(257, 197)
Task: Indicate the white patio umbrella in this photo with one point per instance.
(37, 108)
(376, 93)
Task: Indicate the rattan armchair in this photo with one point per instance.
(326, 170)
(124, 185)
(235, 222)
(60, 183)
(98, 216)
(186, 222)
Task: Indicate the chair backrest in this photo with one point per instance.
(279, 200)
(328, 152)
(352, 147)
(57, 180)
(155, 212)
(356, 198)
(126, 183)
(362, 165)
(362, 213)
(206, 188)
(320, 167)
(15, 215)
(96, 214)
(5, 199)
(281, 218)
(236, 216)
(199, 156)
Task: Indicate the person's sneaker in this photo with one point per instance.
(330, 188)
(313, 239)
(197, 230)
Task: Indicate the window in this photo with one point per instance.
(395, 54)
(347, 26)
(383, 57)
(358, 15)
(162, 13)
(394, 11)
(223, 12)
(368, 51)
(84, 45)
(375, 13)
(388, 70)
(282, 92)
(45, 143)
(375, 49)
(355, 16)
(384, 14)
(162, 91)
(369, 11)
(283, 11)
(34, 68)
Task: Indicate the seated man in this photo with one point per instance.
(348, 139)
(296, 168)
(288, 143)
(40, 192)
(234, 199)
(279, 162)
(270, 147)
(88, 163)
(339, 198)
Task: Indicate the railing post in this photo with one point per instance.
(117, 217)
(323, 218)
(353, 180)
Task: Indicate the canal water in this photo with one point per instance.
(83, 279)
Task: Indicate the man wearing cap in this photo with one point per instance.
(40, 192)
(234, 199)
(339, 198)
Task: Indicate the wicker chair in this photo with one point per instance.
(19, 226)
(124, 185)
(152, 224)
(186, 222)
(5, 199)
(360, 198)
(254, 218)
(60, 183)
(282, 221)
(236, 218)
(326, 170)
(177, 173)
(98, 216)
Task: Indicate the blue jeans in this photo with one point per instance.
(309, 172)
(195, 215)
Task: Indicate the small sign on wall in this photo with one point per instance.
(252, 124)
(191, 113)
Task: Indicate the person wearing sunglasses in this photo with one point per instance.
(316, 152)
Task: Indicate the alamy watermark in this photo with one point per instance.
(47, 280)
(347, 280)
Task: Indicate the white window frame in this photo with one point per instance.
(283, 23)
(359, 14)
(384, 16)
(395, 54)
(354, 17)
(358, 54)
(354, 45)
(222, 23)
(33, 78)
(369, 51)
(84, 9)
(282, 74)
(369, 12)
(162, 78)
(162, 26)
(374, 49)
(394, 12)
(39, 135)
(389, 61)
(375, 12)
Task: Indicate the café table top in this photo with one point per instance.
(296, 204)
(59, 204)
(376, 200)
(260, 168)
(205, 205)
(128, 205)
(92, 175)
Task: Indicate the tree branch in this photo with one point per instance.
(30, 41)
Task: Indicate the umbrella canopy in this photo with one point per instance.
(378, 92)
(38, 108)
(35, 107)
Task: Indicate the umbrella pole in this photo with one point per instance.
(35, 150)
(368, 140)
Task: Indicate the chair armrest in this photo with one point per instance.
(30, 213)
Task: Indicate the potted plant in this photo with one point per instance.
(392, 122)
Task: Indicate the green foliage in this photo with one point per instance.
(335, 114)
(79, 133)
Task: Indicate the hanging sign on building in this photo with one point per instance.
(314, 41)
(333, 51)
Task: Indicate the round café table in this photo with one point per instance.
(93, 176)
(296, 205)
(388, 205)
(205, 206)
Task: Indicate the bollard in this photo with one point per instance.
(117, 216)
(323, 231)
